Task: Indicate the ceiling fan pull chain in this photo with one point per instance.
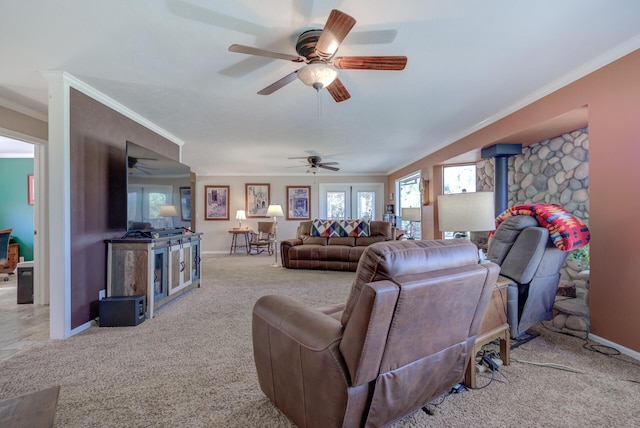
(319, 103)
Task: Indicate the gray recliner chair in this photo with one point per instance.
(528, 259)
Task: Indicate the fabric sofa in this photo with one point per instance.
(321, 244)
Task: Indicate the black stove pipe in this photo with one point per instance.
(501, 153)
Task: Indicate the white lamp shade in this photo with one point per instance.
(313, 74)
(240, 215)
(466, 212)
(411, 214)
(275, 211)
(168, 211)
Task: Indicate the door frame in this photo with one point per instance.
(40, 224)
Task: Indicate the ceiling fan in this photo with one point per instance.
(316, 48)
(315, 162)
(136, 166)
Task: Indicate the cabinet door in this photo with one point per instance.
(129, 270)
(195, 260)
(180, 261)
(185, 265)
(160, 273)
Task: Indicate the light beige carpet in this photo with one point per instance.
(192, 366)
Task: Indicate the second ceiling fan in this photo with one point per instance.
(316, 48)
(315, 162)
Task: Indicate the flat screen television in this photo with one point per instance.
(154, 184)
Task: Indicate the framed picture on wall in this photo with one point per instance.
(256, 200)
(185, 203)
(216, 202)
(298, 202)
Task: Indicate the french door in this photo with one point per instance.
(351, 201)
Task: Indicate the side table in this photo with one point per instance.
(494, 326)
(234, 239)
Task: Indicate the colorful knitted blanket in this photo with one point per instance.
(567, 231)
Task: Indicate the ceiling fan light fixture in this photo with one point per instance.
(317, 75)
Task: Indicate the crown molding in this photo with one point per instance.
(12, 105)
(92, 92)
(564, 80)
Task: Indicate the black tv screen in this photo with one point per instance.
(156, 183)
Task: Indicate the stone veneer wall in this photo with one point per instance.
(553, 171)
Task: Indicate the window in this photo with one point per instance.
(336, 205)
(365, 204)
(459, 178)
(145, 202)
(408, 190)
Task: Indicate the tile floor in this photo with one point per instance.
(21, 326)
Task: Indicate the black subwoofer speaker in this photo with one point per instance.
(120, 311)
(25, 283)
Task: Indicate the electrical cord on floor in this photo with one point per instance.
(491, 379)
(590, 346)
(550, 365)
(490, 354)
(506, 380)
(605, 350)
(429, 408)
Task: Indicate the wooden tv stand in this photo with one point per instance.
(160, 268)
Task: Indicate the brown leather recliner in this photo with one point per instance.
(404, 336)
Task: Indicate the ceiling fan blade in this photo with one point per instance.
(338, 91)
(279, 84)
(329, 163)
(261, 52)
(371, 62)
(331, 168)
(335, 30)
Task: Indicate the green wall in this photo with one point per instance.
(15, 211)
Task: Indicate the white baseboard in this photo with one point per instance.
(82, 327)
(622, 349)
(215, 252)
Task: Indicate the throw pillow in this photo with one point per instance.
(321, 228)
(357, 228)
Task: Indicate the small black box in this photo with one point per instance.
(120, 311)
(25, 282)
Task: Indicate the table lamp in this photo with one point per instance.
(466, 212)
(240, 215)
(167, 211)
(411, 214)
(275, 211)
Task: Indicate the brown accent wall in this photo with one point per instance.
(612, 95)
(98, 138)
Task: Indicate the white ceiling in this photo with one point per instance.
(470, 62)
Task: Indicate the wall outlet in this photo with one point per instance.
(102, 294)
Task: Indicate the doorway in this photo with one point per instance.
(22, 146)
